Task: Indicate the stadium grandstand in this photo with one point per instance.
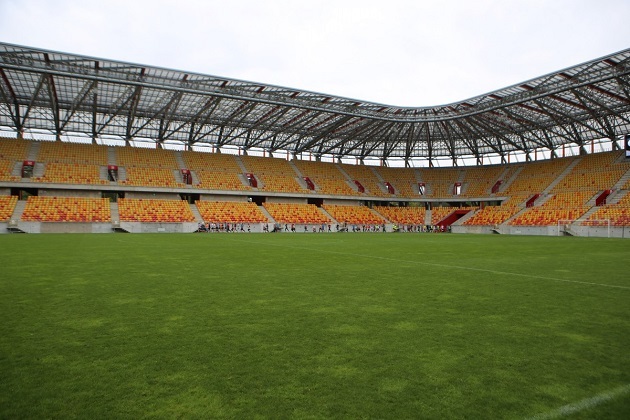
(95, 145)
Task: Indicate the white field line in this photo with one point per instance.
(484, 270)
(584, 404)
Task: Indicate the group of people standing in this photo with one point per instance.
(223, 227)
(344, 227)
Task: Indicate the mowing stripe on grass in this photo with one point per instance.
(484, 270)
(584, 404)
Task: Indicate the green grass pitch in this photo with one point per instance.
(342, 325)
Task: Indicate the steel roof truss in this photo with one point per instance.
(239, 124)
(116, 108)
(353, 136)
(163, 111)
(9, 98)
(342, 120)
(583, 96)
(33, 99)
(475, 135)
(84, 95)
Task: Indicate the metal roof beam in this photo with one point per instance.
(11, 100)
(84, 95)
(116, 109)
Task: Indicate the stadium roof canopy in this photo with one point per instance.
(68, 94)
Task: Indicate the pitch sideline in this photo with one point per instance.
(584, 404)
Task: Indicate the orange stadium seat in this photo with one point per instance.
(296, 213)
(153, 210)
(368, 179)
(404, 180)
(211, 180)
(403, 215)
(275, 174)
(214, 162)
(492, 215)
(478, 181)
(74, 153)
(593, 172)
(562, 206)
(149, 158)
(151, 177)
(439, 182)
(440, 213)
(66, 209)
(14, 149)
(536, 176)
(618, 213)
(6, 167)
(328, 179)
(7, 206)
(77, 173)
(230, 212)
(358, 215)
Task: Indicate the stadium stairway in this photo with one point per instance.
(543, 198)
(117, 226)
(348, 179)
(38, 170)
(507, 182)
(593, 200)
(378, 176)
(267, 214)
(616, 195)
(380, 216)
(622, 181)
(245, 182)
(301, 182)
(297, 171)
(381, 182)
(241, 165)
(179, 177)
(180, 160)
(461, 177)
(427, 217)
(103, 173)
(345, 174)
(195, 212)
(195, 178)
(33, 151)
(560, 177)
(517, 214)
(328, 215)
(111, 156)
(465, 217)
(113, 208)
(18, 210)
(586, 215)
(122, 174)
(17, 169)
(416, 174)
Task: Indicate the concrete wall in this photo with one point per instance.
(216, 197)
(471, 229)
(151, 195)
(289, 200)
(29, 227)
(585, 231)
(342, 202)
(69, 193)
(75, 227)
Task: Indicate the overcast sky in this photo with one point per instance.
(396, 52)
